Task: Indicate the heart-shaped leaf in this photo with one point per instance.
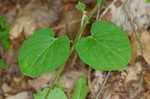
(108, 48)
(43, 53)
(56, 93)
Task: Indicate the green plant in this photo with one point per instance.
(107, 48)
(43, 50)
(2, 65)
(4, 32)
(81, 6)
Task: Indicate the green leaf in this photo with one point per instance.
(81, 6)
(6, 44)
(148, 1)
(3, 22)
(43, 53)
(60, 85)
(4, 32)
(46, 31)
(2, 65)
(81, 89)
(56, 93)
(108, 48)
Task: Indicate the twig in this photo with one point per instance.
(105, 81)
(74, 60)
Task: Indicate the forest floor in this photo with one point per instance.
(26, 16)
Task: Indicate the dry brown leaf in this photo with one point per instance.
(139, 10)
(133, 72)
(135, 49)
(145, 37)
(147, 79)
(34, 16)
(42, 81)
(22, 95)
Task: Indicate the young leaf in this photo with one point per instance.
(81, 6)
(2, 65)
(108, 48)
(81, 89)
(56, 93)
(43, 53)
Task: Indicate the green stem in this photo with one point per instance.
(78, 37)
(93, 11)
(83, 28)
(61, 69)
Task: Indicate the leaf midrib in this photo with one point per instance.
(54, 39)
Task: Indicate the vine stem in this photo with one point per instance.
(99, 10)
(61, 69)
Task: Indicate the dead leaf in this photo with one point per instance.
(139, 9)
(145, 37)
(34, 16)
